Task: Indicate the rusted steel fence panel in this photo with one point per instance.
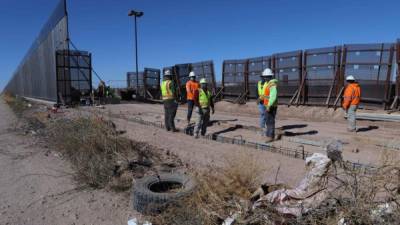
(234, 76)
(74, 75)
(317, 76)
(321, 71)
(205, 69)
(136, 83)
(181, 77)
(288, 70)
(152, 83)
(180, 73)
(148, 83)
(371, 64)
(396, 100)
(256, 67)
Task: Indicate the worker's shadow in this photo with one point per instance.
(230, 129)
(292, 134)
(218, 122)
(366, 129)
(294, 126)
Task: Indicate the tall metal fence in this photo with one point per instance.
(74, 75)
(321, 71)
(180, 73)
(256, 67)
(317, 76)
(146, 85)
(205, 70)
(288, 70)
(372, 65)
(234, 78)
(36, 77)
(136, 83)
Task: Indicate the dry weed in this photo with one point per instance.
(221, 192)
(99, 154)
(356, 197)
(17, 104)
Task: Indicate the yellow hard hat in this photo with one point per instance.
(203, 81)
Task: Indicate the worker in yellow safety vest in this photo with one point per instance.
(260, 97)
(205, 104)
(270, 103)
(168, 92)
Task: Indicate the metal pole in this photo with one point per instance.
(137, 69)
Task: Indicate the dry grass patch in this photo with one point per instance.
(220, 192)
(100, 155)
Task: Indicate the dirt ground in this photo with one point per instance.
(37, 187)
(298, 123)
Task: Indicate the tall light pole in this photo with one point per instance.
(136, 14)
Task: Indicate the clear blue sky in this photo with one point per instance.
(180, 31)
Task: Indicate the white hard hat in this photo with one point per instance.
(167, 73)
(203, 81)
(350, 77)
(192, 74)
(267, 73)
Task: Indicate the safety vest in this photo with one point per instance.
(191, 88)
(204, 98)
(166, 91)
(260, 88)
(267, 91)
(352, 95)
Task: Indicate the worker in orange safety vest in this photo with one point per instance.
(191, 87)
(351, 100)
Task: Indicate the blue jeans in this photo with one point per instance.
(270, 120)
(263, 119)
(190, 104)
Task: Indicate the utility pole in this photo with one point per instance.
(136, 14)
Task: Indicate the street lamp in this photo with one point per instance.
(136, 14)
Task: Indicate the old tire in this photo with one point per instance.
(150, 194)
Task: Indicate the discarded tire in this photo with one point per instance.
(153, 193)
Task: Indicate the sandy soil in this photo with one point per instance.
(313, 123)
(36, 186)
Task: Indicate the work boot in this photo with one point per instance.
(269, 139)
(175, 130)
(196, 136)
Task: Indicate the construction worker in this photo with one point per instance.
(270, 103)
(191, 86)
(168, 92)
(204, 102)
(260, 97)
(351, 100)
